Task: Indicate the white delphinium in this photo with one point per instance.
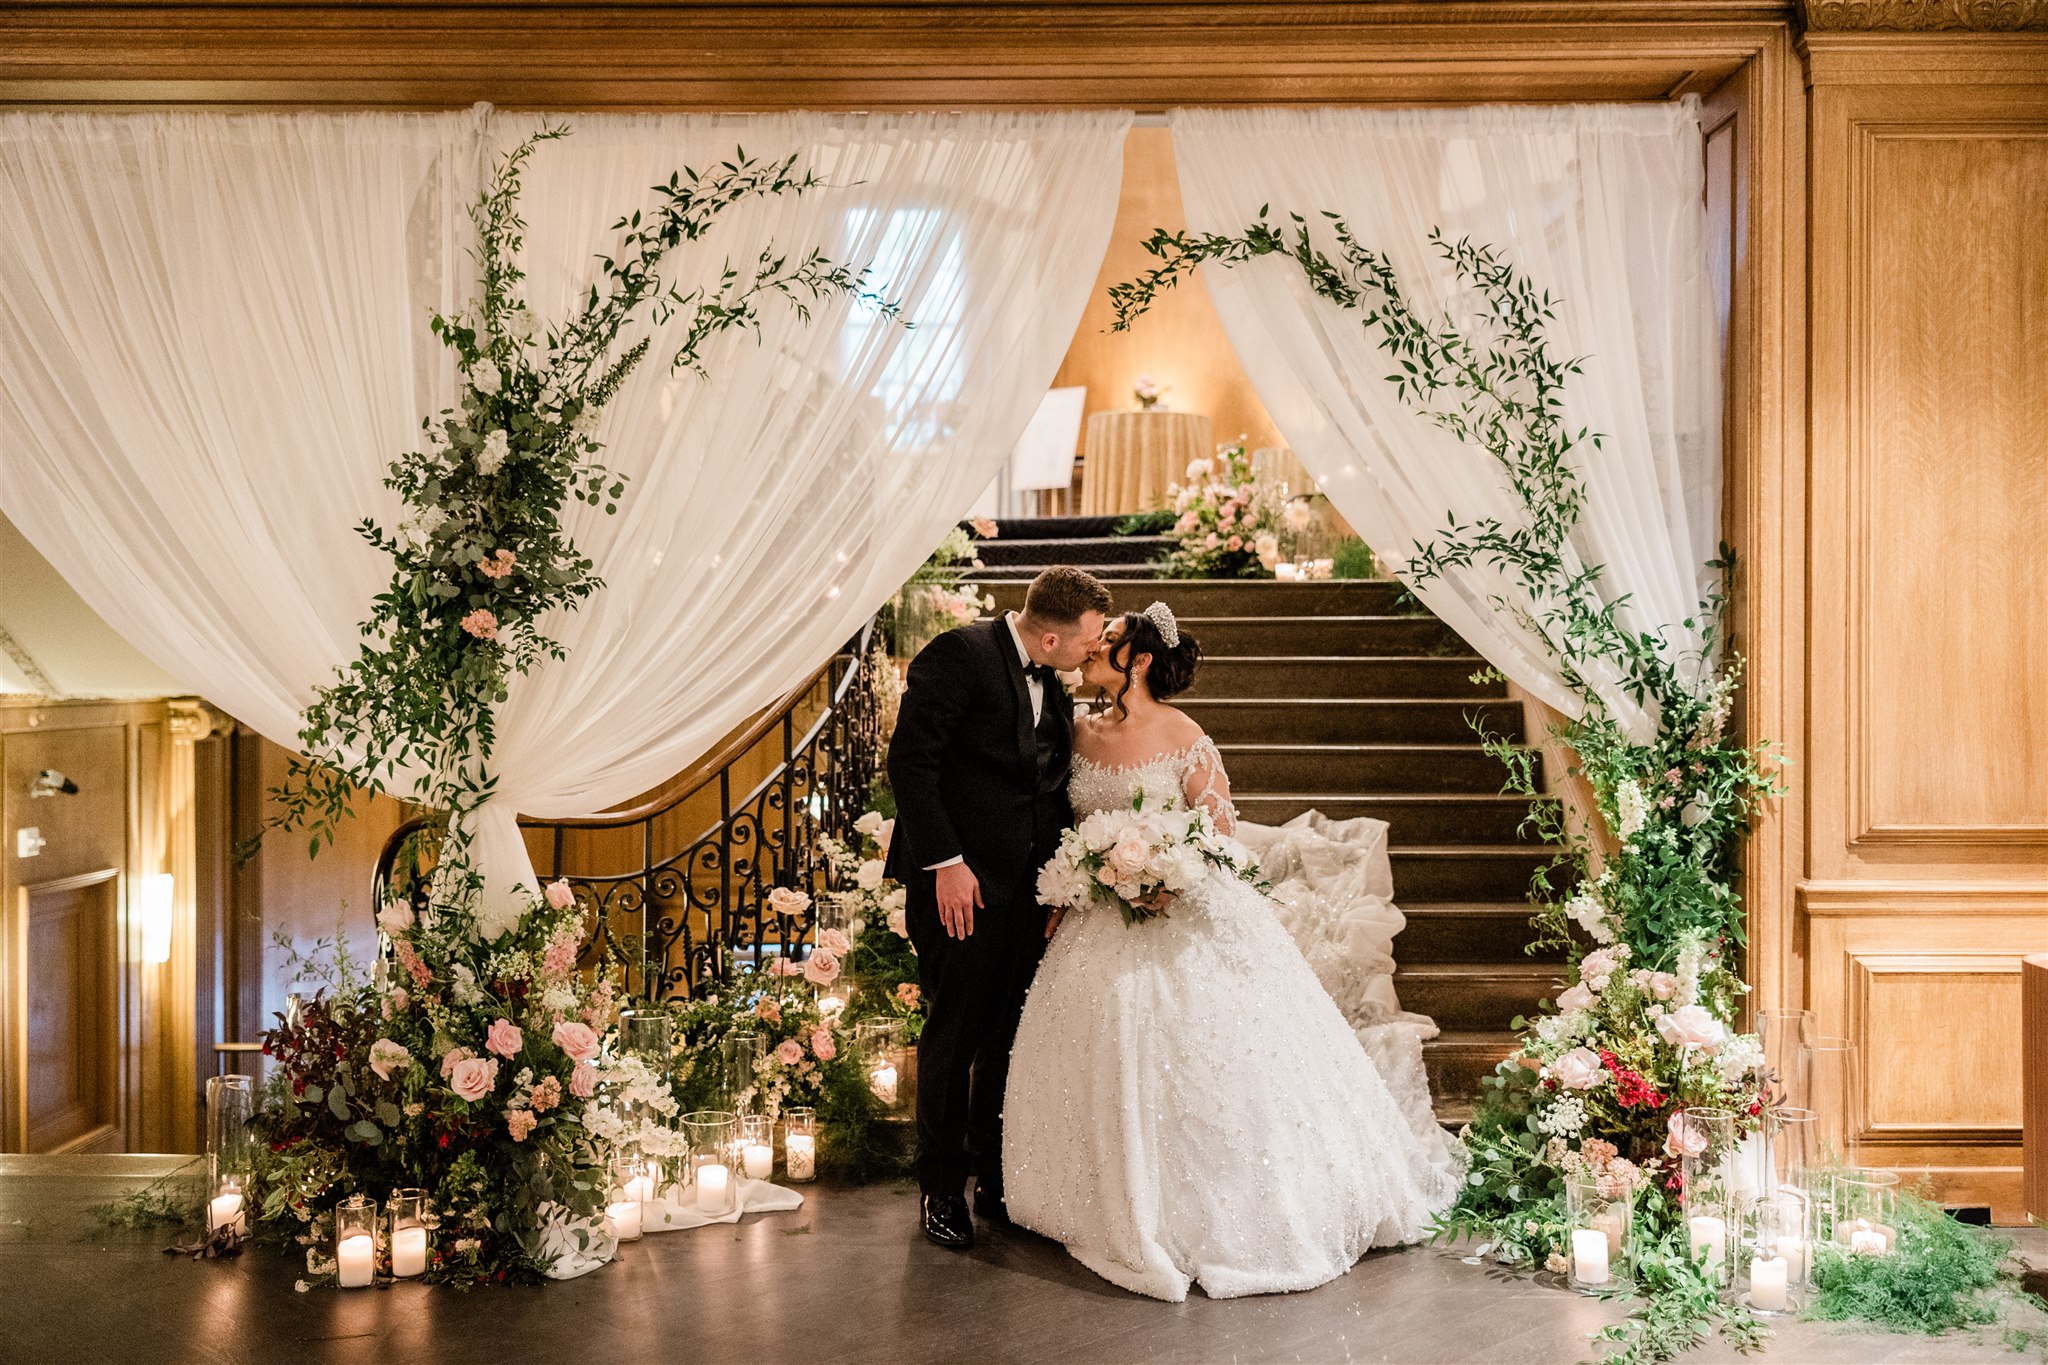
(1693, 956)
(1586, 911)
(1631, 807)
(491, 456)
(464, 990)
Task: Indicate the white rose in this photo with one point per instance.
(898, 923)
(1100, 830)
(870, 824)
(1692, 1026)
(1576, 998)
(485, 377)
(886, 835)
(1299, 514)
(1130, 853)
(395, 918)
(894, 901)
(1267, 547)
(497, 446)
(1199, 469)
(1578, 1069)
(870, 875)
(1696, 810)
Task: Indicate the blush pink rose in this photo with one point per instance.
(1576, 998)
(1128, 855)
(560, 894)
(1686, 1138)
(578, 1040)
(822, 1045)
(474, 1078)
(790, 1052)
(834, 941)
(453, 1058)
(821, 968)
(583, 1081)
(1692, 1026)
(785, 900)
(504, 1038)
(387, 1057)
(1578, 1069)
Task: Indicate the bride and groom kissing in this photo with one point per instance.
(1179, 1101)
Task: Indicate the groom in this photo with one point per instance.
(979, 767)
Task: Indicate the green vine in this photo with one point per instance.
(481, 555)
(1651, 926)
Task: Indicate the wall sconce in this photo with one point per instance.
(50, 782)
(153, 912)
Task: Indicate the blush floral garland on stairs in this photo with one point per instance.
(1652, 929)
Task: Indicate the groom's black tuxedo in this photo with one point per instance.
(974, 778)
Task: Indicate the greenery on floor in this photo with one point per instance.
(171, 1202)
(1147, 523)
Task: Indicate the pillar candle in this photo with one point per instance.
(883, 1082)
(640, 1188)
(1793, 1249)
(625, 1219)
(714, 1187)
(800, 1153)
(408, 1252)
(1710, 1236)
(1767, 1276)
(1869, 1239)
(225, 1213)
(760, 1160)
(355, 1261)
(1589, 1256)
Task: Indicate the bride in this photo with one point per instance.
(1185, 1101)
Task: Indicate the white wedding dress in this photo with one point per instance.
(1186, 1102)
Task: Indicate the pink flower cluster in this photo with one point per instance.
(409, 959)
(559, 960)
(482, 624)
(521, 1123)
(496, 565)
(547, 1094)
(580, 1041)
(504, 1038)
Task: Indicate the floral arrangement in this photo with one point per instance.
(1227, 522)
(1134, 861)
(938, 596)
(480, 1069)
(1148, 391)
(471, 1073)
(1647, 928)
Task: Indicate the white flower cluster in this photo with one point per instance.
(1584, 909)
(1131, 855)
(633, 1107)
(1565, 1117)
(1632, 809)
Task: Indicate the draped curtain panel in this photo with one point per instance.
(1601, 205)
(213, 338)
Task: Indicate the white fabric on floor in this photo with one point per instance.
(1600, 205)
(213, 338)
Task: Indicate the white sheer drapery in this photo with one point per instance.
(213, 338)
(1601, 205)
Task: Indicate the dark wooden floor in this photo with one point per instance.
(843, 1280)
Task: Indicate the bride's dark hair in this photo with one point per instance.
(1173, 666)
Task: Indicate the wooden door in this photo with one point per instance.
(63, 957)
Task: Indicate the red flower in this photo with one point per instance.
(1630, 1089)
(444, 1139)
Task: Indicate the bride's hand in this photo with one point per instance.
(1052, 921)
(1159, 902)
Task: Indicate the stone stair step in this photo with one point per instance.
(1323, 635)
(1426, 818)
(1465, 872)
(1475, 996)
(1467, 931)
(1084, 554)
(1053, 528)
(1353, 720)
(1235, 597)
(1457, 1063)
(1016, 577)
(1259, 768)
(1284, 678)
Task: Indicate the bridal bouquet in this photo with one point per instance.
(1129, 859)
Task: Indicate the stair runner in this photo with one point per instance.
(1334, 696)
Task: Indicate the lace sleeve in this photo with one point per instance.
(1208, 786)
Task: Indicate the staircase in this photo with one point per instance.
(1333, 696)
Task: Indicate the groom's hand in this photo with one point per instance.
(959, 896)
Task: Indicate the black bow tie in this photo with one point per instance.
(1045, 674)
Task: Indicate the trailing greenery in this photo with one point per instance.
(1941, 1275)
(1156, 523)
(1651, 926)
(171, 1200)
(482, 554)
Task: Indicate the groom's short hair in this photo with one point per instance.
(1063, 594)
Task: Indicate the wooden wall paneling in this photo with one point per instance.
(67, 1013)
(1147, 54)
(1756, 137)
(2034, 1061)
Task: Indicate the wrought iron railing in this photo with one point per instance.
(674, 919)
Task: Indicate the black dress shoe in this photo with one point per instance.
(945, 1221)
(989, 1206)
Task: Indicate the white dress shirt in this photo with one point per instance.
(1031, 681)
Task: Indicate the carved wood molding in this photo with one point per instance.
(1924, 16)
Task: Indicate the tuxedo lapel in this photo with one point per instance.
(1020, 689)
